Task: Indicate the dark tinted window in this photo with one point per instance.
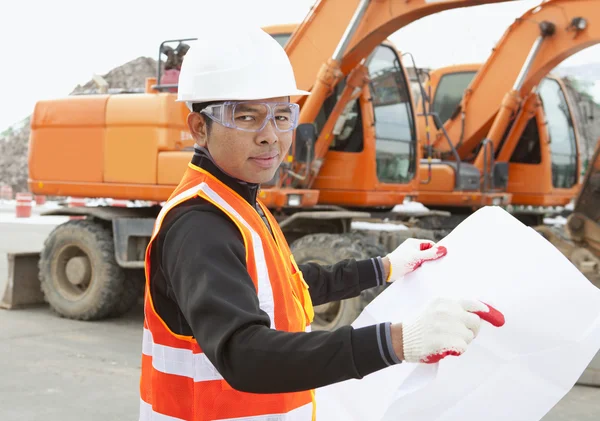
(449, 93)
(528, 149)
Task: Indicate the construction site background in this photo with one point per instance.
(131, 76)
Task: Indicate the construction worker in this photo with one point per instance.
(227, 309)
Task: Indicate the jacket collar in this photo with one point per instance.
(202, 159)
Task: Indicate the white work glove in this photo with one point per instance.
(446, 327)
(411, 254)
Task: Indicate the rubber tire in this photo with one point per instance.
(420, 233)
(329, 249)
(107, 278)
(371, 250)
(133, 290)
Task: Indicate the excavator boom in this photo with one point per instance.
(538, 41)
(331, 43)
(349, 30)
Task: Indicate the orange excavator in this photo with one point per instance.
(507, 121)
(539, 146)
(354, 157)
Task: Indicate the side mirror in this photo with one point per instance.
(304, 148)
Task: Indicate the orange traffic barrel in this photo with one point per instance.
(6, 192)
(76, 202)
(119, 203)
(23, 209)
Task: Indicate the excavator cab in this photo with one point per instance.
(446, 180)
(543, 131)
(371, 161)
(513, 114)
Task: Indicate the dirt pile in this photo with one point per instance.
(13, 157)
(130, 77)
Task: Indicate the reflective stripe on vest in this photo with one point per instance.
(178, 381)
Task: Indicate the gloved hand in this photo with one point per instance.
(411, 254)
(446, 327)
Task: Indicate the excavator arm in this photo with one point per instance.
(337, 35)
(347, 31)
(532, 46)
(333, 42)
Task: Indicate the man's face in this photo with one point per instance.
(249, 156)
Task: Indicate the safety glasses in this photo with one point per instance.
(254, 116)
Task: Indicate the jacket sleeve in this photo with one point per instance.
(345, 279)
(204, 260)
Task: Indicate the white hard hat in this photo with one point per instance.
(236, 63)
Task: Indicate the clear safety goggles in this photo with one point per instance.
(254, 116)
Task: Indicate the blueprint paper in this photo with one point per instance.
(516, 372)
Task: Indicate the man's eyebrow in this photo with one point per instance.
(283, 109)
(246, 107)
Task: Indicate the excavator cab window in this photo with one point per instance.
(282, 39)
(561, 132)
(528, 150)
(395, 137)
(346, 137)
(449, 93)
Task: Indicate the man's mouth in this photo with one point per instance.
(266, 160)
(266, 155)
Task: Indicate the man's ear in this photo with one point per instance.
(198, 128)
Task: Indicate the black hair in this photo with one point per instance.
(199, 106)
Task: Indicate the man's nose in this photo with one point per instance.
(268, 134)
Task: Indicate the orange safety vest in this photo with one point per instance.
(178, 382)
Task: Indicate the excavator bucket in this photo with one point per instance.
(588, 206)
(22, 287)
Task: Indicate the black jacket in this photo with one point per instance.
(201, 288)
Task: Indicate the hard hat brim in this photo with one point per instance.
(190, 101)
(241, 97)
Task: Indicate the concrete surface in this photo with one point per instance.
(54, 369)
(62, 370)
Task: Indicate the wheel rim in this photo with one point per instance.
(327, 315)
(73, 273)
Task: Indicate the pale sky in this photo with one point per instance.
(51, 46)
